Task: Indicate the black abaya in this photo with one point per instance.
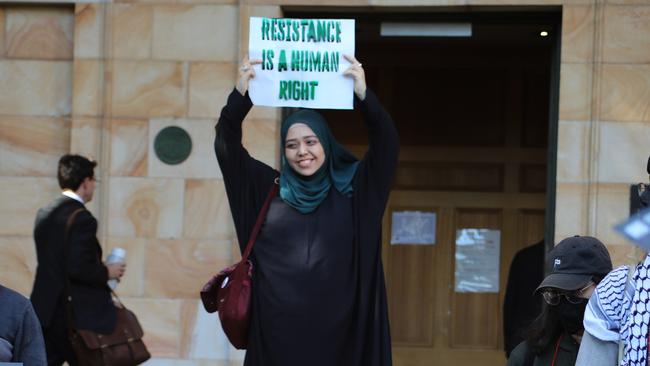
(318, 288)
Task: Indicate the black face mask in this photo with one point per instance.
(571, 315)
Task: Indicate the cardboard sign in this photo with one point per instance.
(302, 62)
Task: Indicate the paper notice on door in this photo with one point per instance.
(477, 260)
(413, 227)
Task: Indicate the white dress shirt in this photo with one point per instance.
(73, 195)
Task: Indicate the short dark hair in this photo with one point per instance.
(73, 169)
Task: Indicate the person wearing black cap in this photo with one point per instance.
(575, 266)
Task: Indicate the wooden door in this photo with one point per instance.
(486, 171)
(431, 323)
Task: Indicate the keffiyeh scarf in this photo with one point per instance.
(618, 311)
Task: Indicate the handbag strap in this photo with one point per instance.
(68, 296)
(260, 220)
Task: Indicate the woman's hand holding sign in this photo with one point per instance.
(246, 72)
(355, 71)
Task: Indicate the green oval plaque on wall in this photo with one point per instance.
(172, 145)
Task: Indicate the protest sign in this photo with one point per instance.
(302, 62)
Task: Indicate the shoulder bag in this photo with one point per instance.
(122, 347)
(229, 291)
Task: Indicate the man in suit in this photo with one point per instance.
(77, 262)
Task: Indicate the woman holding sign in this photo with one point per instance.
(318, 284)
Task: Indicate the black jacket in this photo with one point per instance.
(562, 352)
(91, 298)
(521, 306)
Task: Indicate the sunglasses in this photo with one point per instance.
(553, 297)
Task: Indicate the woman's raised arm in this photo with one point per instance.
(379, 164)
(247, 180)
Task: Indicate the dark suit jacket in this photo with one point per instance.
(91, 298)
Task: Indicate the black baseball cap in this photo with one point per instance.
(574, 262)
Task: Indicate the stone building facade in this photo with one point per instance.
(103, 78)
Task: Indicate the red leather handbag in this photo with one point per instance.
(229, 291)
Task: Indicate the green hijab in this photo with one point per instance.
(305, 194)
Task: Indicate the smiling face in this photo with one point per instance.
(303, 150)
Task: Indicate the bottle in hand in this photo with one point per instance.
(118, 255)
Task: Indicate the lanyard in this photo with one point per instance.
(557, 348)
